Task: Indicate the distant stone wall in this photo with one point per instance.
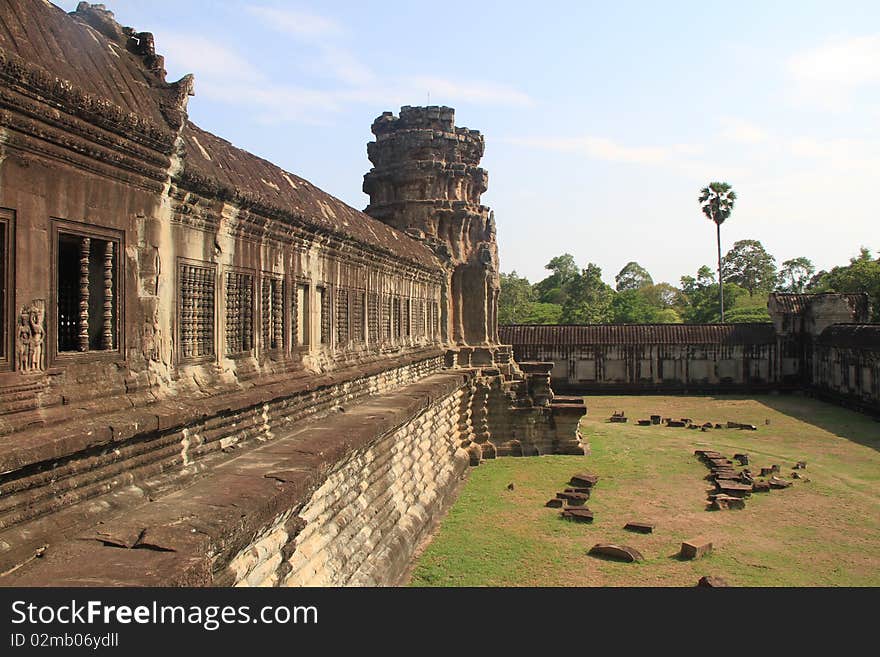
(651, 358)
(846, 365)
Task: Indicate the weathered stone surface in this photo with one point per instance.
(776, 482)
(800, 465)
(574, 498)
(712, 581)
(676, 423)
(695, 548)
(743, 459)
(616, 552)
(584, 479)
(640, 527)
(723, 501)
(579, 489)
(655, 419)
(577, 514)
(761, 487)
(555, 503)
(733, 488)
(644, 423)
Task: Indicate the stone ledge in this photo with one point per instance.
(186, 536)
(30, 446)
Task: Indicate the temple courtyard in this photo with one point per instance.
(823, 530)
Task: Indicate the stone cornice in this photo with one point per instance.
(58, 95)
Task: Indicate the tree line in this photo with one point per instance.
(574, 295)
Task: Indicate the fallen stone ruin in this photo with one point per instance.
(619, 417)
(733, 484)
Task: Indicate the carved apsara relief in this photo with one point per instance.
(30, 337)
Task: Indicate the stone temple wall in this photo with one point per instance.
(651, 358)
(205, 360)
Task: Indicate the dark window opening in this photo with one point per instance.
(196, 287)
(273, 314)
(239, 313)
(87, 294)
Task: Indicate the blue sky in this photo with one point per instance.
(602, 120)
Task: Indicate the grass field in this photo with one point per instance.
(821, 532)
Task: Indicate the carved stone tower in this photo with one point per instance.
(426, 182)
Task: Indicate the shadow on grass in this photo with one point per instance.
(852, 425)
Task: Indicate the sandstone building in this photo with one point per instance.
(214, 372)
(820, 343)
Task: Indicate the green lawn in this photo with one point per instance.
(821, 532)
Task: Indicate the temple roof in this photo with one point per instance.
(863, 336)
(86, 54)
(95, 62)
(238, 174)
(796, 304)
(636, 334)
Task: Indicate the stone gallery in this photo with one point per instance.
(214, 372)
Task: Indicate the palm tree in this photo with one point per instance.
(716, 201)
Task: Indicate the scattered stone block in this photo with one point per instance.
(675, 423)
(723, 502)
(743, 459)
(718, 425)
(703, 429)
(644, 423)
(579, 489)
(733, 488)
(618, 552)
(739, 425)
(774, 467)
(579, 514)
(584, 479)
(616, 418)
(555, 503)
(766, 472)
(510, 486)
(640, 527)
(686, 420)
(761, 487)
(776, 482)
(655, 419)
(711, 581)
(707, 425)
(575, 499)
(695, 548)
(800, 465)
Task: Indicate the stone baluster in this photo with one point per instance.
(277, 313)
(107, 333)
(84, 248)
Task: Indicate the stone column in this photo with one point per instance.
(84, 248)
(107, 328)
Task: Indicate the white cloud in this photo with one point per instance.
(203, 57)
(336, 77)
(603, 148)
(740, 131)
(297, 23)
(829, 74)
(481, 93)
